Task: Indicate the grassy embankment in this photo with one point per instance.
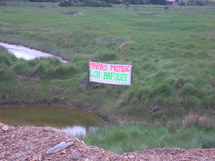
(128, 138)
(172, 53)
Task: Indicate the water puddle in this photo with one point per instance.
(27, 53)
(71, 121)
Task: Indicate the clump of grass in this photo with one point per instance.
(6, 73)
(191, 119)
(21, 67)
(106, 57)
(44, 69)
(6, 59)
(127, 138)
(197, 120)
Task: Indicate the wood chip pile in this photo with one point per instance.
(44, 143)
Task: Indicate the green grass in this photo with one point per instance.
(172, 53)
(128, 138)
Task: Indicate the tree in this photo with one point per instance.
(2, 3)
(159, 2)
(126, 5)
(88, 3)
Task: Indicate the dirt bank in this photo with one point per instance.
(44, 143)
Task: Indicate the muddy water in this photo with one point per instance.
(72, 121)
(26, 53)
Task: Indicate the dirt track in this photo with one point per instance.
(38, 143)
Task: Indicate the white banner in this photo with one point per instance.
(110, 73)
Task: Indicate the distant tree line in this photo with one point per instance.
(43, 0)
(107, 3)
(87, 3)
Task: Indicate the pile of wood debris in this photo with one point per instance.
(45, 143)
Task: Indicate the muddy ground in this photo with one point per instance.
(28, 143)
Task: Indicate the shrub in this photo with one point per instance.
(44, 69)
(204, 121)
(5, 73)
(43, 0)
(182, 3)
(188, 89)
(54, 61)
(173, 126)
(209, 101)
(168, 101)
(208, 142)
(164, 89)
(191, 119)
(192, 102)
(196, 2)
(62, 71)
(204, 140)
(106, 57)
(197, 120)
(21, 67)
(94, 3)
(5, 58)
(89, 3)
(65, 3)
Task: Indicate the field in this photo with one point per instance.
(172, 52)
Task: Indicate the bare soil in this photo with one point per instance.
(28, 143)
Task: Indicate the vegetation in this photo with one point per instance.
(128, 138)
(107, 3)
(172, 53)
(89, 3)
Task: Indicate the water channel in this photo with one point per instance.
(27, 53)
(72, 121)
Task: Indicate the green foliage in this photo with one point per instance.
(209, 101)
(5, 59)
(5, 73)
(182, 3)
(106, 57)
(192, 102)
(88, 3)
(43, 0)
(161, 2)
(21, 67)
(188, 89)
(196, 2)
(65, 3)
(95, 3)
(62, 71)
(128, 138)
(171, 52)
(44, 69)
(54, 61)
(163, 89)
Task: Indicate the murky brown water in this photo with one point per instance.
(71, 121)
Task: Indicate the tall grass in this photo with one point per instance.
(172, 53)
(128, 138)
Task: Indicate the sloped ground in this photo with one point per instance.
(42, 143)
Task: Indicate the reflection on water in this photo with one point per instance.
(26, 53)
(72, 121)
(77, 130)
